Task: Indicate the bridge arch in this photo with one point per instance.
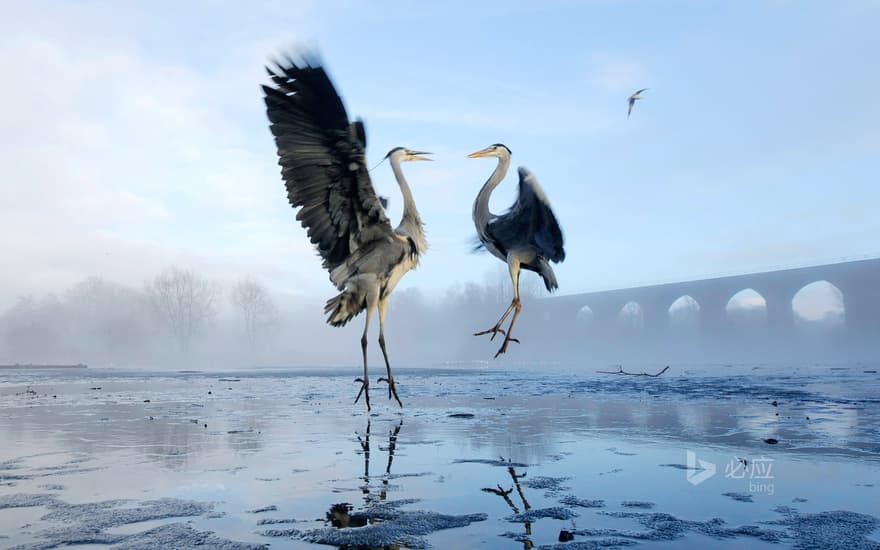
(819, 304)
(684, 311)
(747, 307)
(584, 317)
(631, 315)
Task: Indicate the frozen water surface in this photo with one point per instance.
(477, 458)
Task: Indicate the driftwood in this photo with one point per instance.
(621, 371)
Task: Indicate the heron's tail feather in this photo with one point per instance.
(343, 307)
(547, 274)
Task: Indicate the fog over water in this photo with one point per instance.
(182, 319)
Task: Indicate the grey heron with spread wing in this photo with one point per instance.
(527, 236)
(323, 163)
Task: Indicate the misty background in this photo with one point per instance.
(137, 159)
(180, 318)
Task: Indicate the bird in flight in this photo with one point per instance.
(632, 101)
(323, 163)
(527, 236)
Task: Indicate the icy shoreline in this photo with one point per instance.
(139, 459)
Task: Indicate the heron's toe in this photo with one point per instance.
(392, 389)
(493, 331)
(365, 389)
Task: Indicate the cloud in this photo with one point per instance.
(118, 162)
(616, 73)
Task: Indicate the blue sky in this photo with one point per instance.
(135, 136)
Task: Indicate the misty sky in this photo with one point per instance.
(135, 136)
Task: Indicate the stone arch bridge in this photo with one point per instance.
(715, 335)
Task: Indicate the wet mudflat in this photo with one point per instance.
(477, 458)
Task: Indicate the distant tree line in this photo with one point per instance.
(111, 323)
(180, 317)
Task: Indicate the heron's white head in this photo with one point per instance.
(402, 154)
(498, 150)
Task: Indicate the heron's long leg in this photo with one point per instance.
(365, 381)
(392, 390)
(513, 264)
(515, 305)
(507, 339)
(497, 328)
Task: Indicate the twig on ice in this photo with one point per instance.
(621, 371)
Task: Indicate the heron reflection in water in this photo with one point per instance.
(342, 515)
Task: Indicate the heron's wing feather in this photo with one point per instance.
(322, 162)
(372, 257)
(530, 221)
(477, 244)
(545, 230)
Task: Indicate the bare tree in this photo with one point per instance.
(29, 334)
(184, 301)
(257, 309)
(105, 319)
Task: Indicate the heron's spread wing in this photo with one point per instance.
(322, 161)
(544, 228)
(529, 221)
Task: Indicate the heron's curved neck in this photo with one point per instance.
(481, 204)
(411, 222)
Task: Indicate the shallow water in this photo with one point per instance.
(131, 458)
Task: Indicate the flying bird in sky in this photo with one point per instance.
(323, 163)
(527, 236)
(632, 101)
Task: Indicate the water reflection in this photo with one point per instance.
(505, 494)
(374, 490)
(384, 482)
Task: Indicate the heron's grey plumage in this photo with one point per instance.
(323, 163)
(322, 156)
(527, 236)
(529, 223)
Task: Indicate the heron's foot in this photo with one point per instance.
(392, 389)
(365, 389)
(494, 331)
(507, 340)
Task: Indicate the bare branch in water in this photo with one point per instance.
(621, 371)
(519, 490)
(503, 494)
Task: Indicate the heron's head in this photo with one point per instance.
(402, 154)
(498, 150)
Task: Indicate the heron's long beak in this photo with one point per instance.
(480, 153)
(416, 155)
